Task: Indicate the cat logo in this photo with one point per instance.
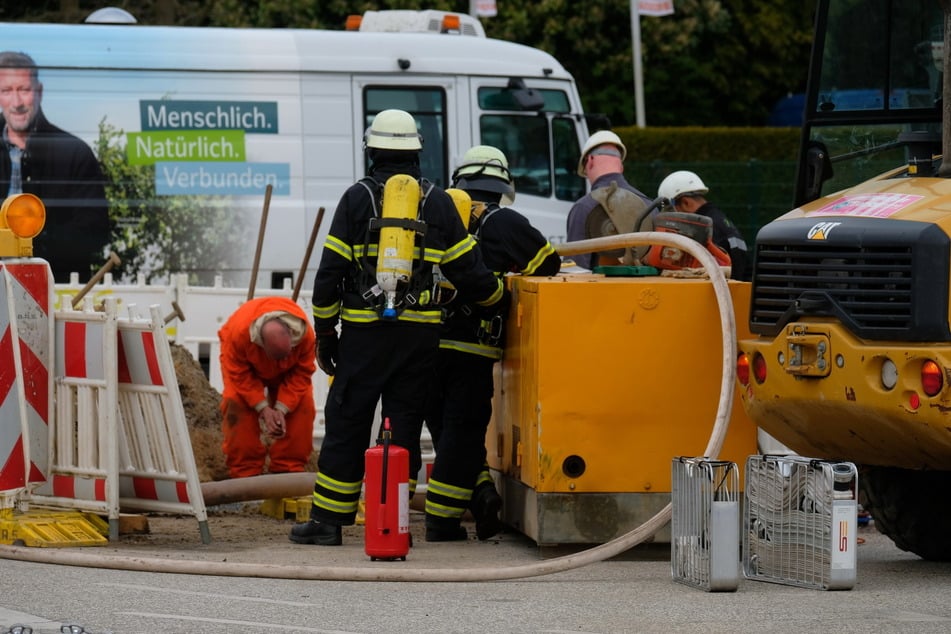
(822, 230)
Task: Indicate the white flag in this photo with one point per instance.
(655, 8)
(485, 8)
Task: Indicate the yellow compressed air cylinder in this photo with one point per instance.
(463, 203)
(394, 264)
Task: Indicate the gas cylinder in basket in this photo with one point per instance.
(386, 534)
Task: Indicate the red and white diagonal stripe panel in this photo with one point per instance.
(175, 491)
(26, 334)
(79, 487)
(81, 345)
(138, 360)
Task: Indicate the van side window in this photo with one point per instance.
(428, 106)
(568, 185)
(503, 98)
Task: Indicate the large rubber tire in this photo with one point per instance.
(909, 506)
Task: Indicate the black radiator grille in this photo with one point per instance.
(882, 281)
(872, 286)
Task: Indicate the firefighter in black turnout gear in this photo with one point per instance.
(471, 342)
(380, 354)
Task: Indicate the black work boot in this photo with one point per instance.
(315, 532)
(445, 531)
(485, 506)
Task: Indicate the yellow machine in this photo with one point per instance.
(604, 380)
(401, 196)
(850, 310)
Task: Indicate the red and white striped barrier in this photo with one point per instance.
(26, 352)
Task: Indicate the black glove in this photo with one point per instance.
(327, 351)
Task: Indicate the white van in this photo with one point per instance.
(208, 117)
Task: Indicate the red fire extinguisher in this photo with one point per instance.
(386, 534)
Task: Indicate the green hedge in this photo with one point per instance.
(750, 171)
(710, 144)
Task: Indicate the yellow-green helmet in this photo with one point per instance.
(484, 168)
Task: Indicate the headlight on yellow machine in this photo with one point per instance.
(23, 214)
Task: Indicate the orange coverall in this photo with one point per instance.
(252, 381)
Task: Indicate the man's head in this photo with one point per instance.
(603, 153)
(484, 175)
(685, 191)
(20, 90)
(276, 339)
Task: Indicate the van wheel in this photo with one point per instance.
(907, 506)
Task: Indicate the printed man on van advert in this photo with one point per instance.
(56, 166)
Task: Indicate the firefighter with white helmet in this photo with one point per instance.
(602, 163)
(470, 344)
(376, 356)
(685, 192)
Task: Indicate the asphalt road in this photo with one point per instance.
(633, 592)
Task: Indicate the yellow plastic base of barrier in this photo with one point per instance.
(52, 529)
(287, 508)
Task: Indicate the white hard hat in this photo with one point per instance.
(484, 168)
(680, 183)
(393, 130)
(602, 137)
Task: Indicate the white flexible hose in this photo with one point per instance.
(389, 573)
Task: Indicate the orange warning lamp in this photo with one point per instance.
(22, 217)
(451, 24)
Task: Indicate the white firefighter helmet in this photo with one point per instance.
(485, 168)
(601, 137)
(393, 130)
(681, 183)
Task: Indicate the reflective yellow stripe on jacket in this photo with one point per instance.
(471, 348)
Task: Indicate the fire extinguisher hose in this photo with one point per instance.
(560, 564)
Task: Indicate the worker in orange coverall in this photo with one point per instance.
(267, 361)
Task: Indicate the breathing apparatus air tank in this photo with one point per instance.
(386, 535)
(445, 292)
(463, 202)
(401, 195)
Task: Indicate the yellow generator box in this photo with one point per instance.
(605, 380)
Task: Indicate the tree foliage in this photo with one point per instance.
(714, 62)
